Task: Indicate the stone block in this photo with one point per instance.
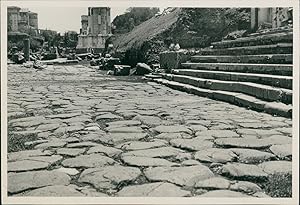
(173, 59)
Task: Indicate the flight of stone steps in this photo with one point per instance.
(254, 72)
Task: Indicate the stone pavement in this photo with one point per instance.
(89, 134)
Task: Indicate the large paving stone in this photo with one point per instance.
(13, 156)
(64, 115)
(48, 127)
(184, 176)
(138, 145)
(282, 151)
(54, 191)
(244, 186)
(147, 161)
(117, 138)
(149, 120)
(70, 151)
(223, 193)
(155, 152)
(192, 144)
(109, 177)
(109, 151)
(123, 123)
(51, 144)
(170, 136)
(172, 129)
(157, 189)
(18, 182)
(82, 144)
(243, 142)
(197, 128)
(251, 156)
(92, 160)
(125, 130)
(217, 134)
(108, 116)
(278, 139)
(213, 183)
(26, 165)
(243, 171)
(257, 132)
(279, 167)
(215, 155)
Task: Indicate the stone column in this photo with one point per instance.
(26, 48)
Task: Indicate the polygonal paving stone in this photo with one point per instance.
(125, 130)
(157, 189)
(244, 186)
(215, 155)
(49, 159)
(170, 136)
(116, 138)
(82, 144)
(13, 156)
(257, 132)
(155, 152)
(54, 191)
(273, 167)
(213, 183)
(51, 144)
(48, 127)
(69, 171)
(92, 160)
(70, 151)
(172, 129)
(149, 120)
(138, 145)
(108, 116)
(184, 176)
(223, 193)
(282, 151)
(18, 182)
(245, 171)
(109, 151)
(197, 128)
(217, 134)
(251, 156)
(109, 177)
(254, 125)
(64, 115)
(278, 139)
(26, 165)
(243, 143)
(147, 161)
(192, 144)
(123, 123)
(190, 162)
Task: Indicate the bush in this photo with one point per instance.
(279, 185)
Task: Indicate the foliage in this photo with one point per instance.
(133, 17)
(279, 185)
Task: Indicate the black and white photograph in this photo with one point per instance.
(126, 101)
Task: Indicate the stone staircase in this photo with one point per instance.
(254, 72)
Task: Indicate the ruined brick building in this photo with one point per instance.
(21, 20)
(95, 30)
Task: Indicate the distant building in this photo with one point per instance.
(95, 30)
(22, 20)
(270, 17)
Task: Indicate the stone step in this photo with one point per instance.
(274, 69)
(274, 108)
(255, 59)
(263, 39)
(272, 80)
(279, 48)
(271, 31)
(263, 92)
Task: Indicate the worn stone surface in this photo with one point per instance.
(147, 161)
(273, 167)
(54, 191)
(216, 155)
(92, 160)
(157, 189)
(28, 180)
(224, 193)
(108, 136)
(184, 176)
(109, 177)
(245, 171)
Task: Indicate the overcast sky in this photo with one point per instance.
(63, 19)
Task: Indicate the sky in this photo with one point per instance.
(64, 19)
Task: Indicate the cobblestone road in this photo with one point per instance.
(87, 134)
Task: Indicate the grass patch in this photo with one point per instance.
(16, 143)
(279, 185)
